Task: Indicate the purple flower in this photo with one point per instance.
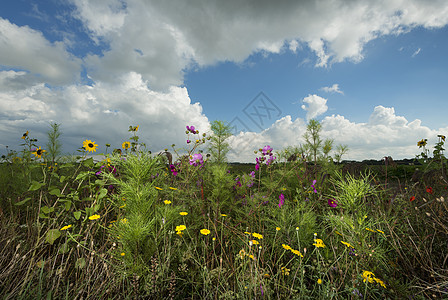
(314, 189)
(173, 170)
(267, 150)
(188, 141)
(191, 129)
(332, 203)
(196, 159)
(282, 200)
(257, 167)
(252, 174)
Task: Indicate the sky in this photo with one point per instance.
(373, 73)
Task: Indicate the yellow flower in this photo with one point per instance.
(380, 231)
(38, 153)
(266, 275)
(370, 229)
(285, 271)
(180, 233)
(347, 244)
(174, 189)
(247, 232)
(252, 257)
(94, 217)
(277, 228)
(126, 145)
(66, 227)
(223, 215)
(368, 276)
(123, 206)
(157, 188)
(181, 227)
(254, 242)
(319, 243)
(89, 145)
(124, 221)
(24, 135)
(380, 282)
(122, 254)
(242, 254)
(319, 281)
(167, 202)
(205, 231)
(183, 213)
(337, 232)
(422, 143)
(287, 247)
(257, 235)
(296, 252)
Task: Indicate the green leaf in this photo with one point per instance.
(35, 185)
(46, 210)
(103, 192)
(62, 178)
(22, 202)
(52, 235)
(68, 205)
(96, 207)
(64, 248)
(80, 263)
(43, 216)
(56, 192)
(77, 215)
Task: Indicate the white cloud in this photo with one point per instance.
(27, 49)
(416, 52)
(316, 106)
(385, 134)
(332, 89)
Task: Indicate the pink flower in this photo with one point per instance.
(332, 203)
(196, 159)
(282, 200)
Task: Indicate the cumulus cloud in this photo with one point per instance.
(316, 106)
(332, 89)
(25, 48)
(384, 134)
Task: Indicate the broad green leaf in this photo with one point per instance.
(77, 215)
(52, 235)
(88, 162)
(35, 185)
(64, 248)
(43, 216)
(46, 210)
(22, 202)
(103, 192)
(68, 205)
(62, 178)
(56, 192)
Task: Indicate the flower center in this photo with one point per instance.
(90, 145)
(39, 152)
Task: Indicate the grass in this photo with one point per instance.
(134, 226)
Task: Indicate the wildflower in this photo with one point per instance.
(380, 282)
(267, 150)
(205, 231)
(66, 227)
(247, 233)
(442, 137)
(242, 254)
(38, 153)
(167, 202)
(124, 221)
(94, 217)
(347, 244)
(181, 227)
(368, 276)
(122, 254)
(191, 129)
(126, 145)
(380, 231)
(254, 242)
(25, 135)
(314, 189)
(157, 188)
(429, 190)
(266, 275)
(332, 203)
(131, 128)
(223, 215)
(422, 143)
(412, 198)
(337, 232)
(319, 243)
(319, 281)
(251, 257)
(89, 145)
(296, 252)
(297, 228)
(277, 228)
(183, 213)
(368, 229)
(282, 200)
(196, 159)
(286, 247)
(123, 206)
(285, 271)
(257, 235)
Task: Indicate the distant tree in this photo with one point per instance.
(218, 146)
(340, 150)
(54, 145)
(312, 138)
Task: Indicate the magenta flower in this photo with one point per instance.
(191, 129)
(314, 189)
(282, 200)
(196, 159)
(173, 170)
(332, 203)
(267, 150)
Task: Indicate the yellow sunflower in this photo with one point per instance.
(25, 135)
(89, 145)
(126, 145)
(38, 153)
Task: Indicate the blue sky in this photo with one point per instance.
(373, 73)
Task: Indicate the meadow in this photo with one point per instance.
(176, 225)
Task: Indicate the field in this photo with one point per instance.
(138, 225)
